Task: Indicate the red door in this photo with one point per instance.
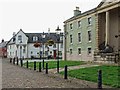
(54, 54)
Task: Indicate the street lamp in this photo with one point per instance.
(58, 40)
(20, 48)
(43, 37)
(117, 36)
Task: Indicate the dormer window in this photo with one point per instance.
(20, 38)
(35, 38)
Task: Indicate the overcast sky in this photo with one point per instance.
(38, 15)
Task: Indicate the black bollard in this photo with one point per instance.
(57, 66)
(39, 66)
(46, 68)
(27, 64)
(99, 79)
(43, 64)
(34, 65)
(14, 60)
(65, 72)
(10, 60)
(21, 62)
(17, 60)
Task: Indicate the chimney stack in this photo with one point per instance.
(77, 11)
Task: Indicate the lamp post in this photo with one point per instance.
(117, 36)
(58, 40)
(20, 48)
(43, 36)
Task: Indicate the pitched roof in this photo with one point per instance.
(48, 36)
(3, 44)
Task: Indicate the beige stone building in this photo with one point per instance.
(93, 33)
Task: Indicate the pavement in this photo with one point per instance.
(14, 76)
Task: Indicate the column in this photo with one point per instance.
(107, 28)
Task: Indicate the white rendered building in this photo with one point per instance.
(22, 45)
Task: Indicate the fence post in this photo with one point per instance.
(65, 72)
(34, 65)
(46, 68)
(17, 60)
(99, 79)
(39, 66)
(27, 64)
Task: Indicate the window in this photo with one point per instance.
(70, 51)
(24, 49)
(61, 45)
(20, 38)
(89, 51)
(79, 37)
(60, 53)
(54, 46)
(35, 38)
(71, 26)
(79, 51)
(89, 35)
(79, 23)
(70, 38)
(89, 21)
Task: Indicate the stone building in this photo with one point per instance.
(93, 32)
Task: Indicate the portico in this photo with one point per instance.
(108, 27)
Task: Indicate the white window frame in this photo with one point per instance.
(71, 38)
(89, 38)
(88, 51)
(89, 19)
(80, 51)
(35, 38)
(71, 26)
(80, 37)
(79, 24)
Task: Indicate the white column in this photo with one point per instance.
(107, 29)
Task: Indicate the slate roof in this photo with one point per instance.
(48, 36)
(3, 44)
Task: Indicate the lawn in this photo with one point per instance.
(109, 74)
(53, 64)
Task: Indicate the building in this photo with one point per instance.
(34, 45)
(3, 48)
(93, 31)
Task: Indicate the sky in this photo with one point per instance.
(36, 16)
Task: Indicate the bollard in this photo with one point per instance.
(99, 79)
(43, 64)
(21, 62)
(17, 60)
(46, 68)
(39, 66)
(27, 64)
(57, 66)
(10, 60)
(34, 65)
(65, 72)
(14, 60)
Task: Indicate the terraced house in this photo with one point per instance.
(93, 32)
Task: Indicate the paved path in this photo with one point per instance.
(14, 76)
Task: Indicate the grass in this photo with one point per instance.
(53, 64)
(110, 75)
